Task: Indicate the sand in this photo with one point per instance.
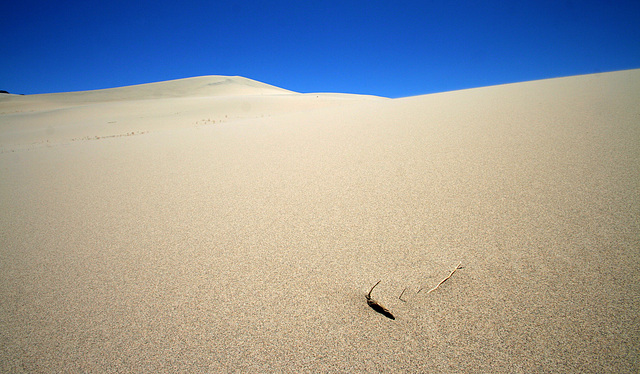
(218, 224)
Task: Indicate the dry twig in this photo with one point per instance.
(376, 306)
(402, 293)
(445, 279)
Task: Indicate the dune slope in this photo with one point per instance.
(248, 241)
(49, 119)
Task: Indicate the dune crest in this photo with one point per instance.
(36, 120)
(213, 85)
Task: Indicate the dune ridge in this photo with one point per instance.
(47, 119)
(248, 241)
(186, 87)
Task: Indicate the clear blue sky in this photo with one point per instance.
(387, 48)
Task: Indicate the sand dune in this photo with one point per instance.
(189, 87)
(219, 224)
(48, 119)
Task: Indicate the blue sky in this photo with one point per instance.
(387, 48)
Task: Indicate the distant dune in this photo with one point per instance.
(62, 117)
(188, 87)
(220, 224)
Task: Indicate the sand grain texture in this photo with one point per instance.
(218, 224)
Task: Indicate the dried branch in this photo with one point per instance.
(377, 306)
(445, 279)
(402, 293)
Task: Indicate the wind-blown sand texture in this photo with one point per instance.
(218, 224)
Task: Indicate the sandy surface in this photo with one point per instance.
(217, 224)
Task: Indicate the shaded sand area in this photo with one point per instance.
(218, 224)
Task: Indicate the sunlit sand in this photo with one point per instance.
(219, 224)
